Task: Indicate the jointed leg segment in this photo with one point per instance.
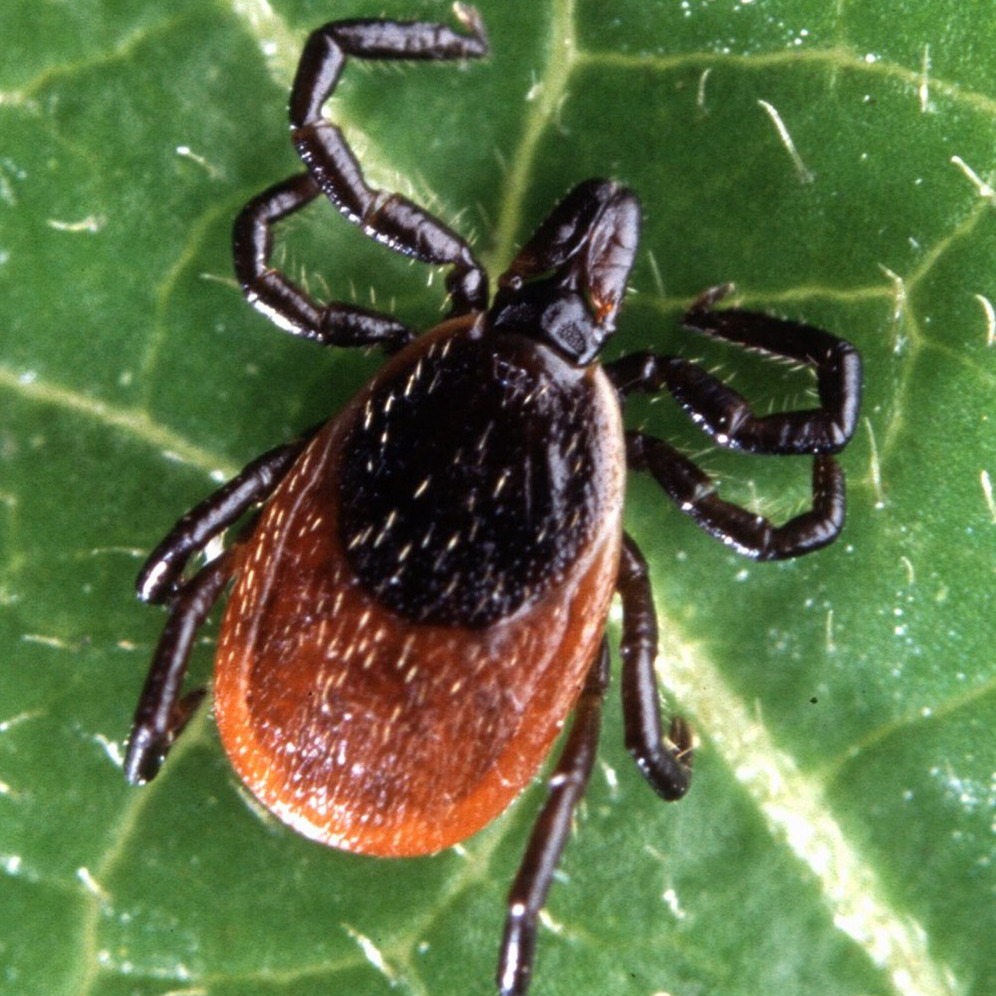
(163, 709)
(283, 301)
(567, 785)
(667, 765)
(160, 577)
(728, 418)
(725, 414)
(389, 218)
(750, 534)
(334, 171)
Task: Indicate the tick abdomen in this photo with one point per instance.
(339, 670)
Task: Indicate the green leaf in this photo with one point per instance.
(837, 162)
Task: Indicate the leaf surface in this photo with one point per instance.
(836, 162)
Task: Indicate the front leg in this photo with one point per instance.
(728, 418)
(724, 413)
(386, 217)
(287, 304)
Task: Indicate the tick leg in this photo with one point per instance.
(387, 217)
(160, 577)
(162, 712)
(286, 303)
(725, 414)
(729, 419)
(566, 787)
(667, 765)
(694, 492)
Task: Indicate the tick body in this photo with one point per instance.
(419, 603)
(416, 610)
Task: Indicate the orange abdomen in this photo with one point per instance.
(394, 714)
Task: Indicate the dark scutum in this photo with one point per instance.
(468, 483)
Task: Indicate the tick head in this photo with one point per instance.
(566, 284)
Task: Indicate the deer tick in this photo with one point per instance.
(421, 601)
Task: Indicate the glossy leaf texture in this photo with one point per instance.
(837, 162)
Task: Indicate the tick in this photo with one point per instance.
(421, 601)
